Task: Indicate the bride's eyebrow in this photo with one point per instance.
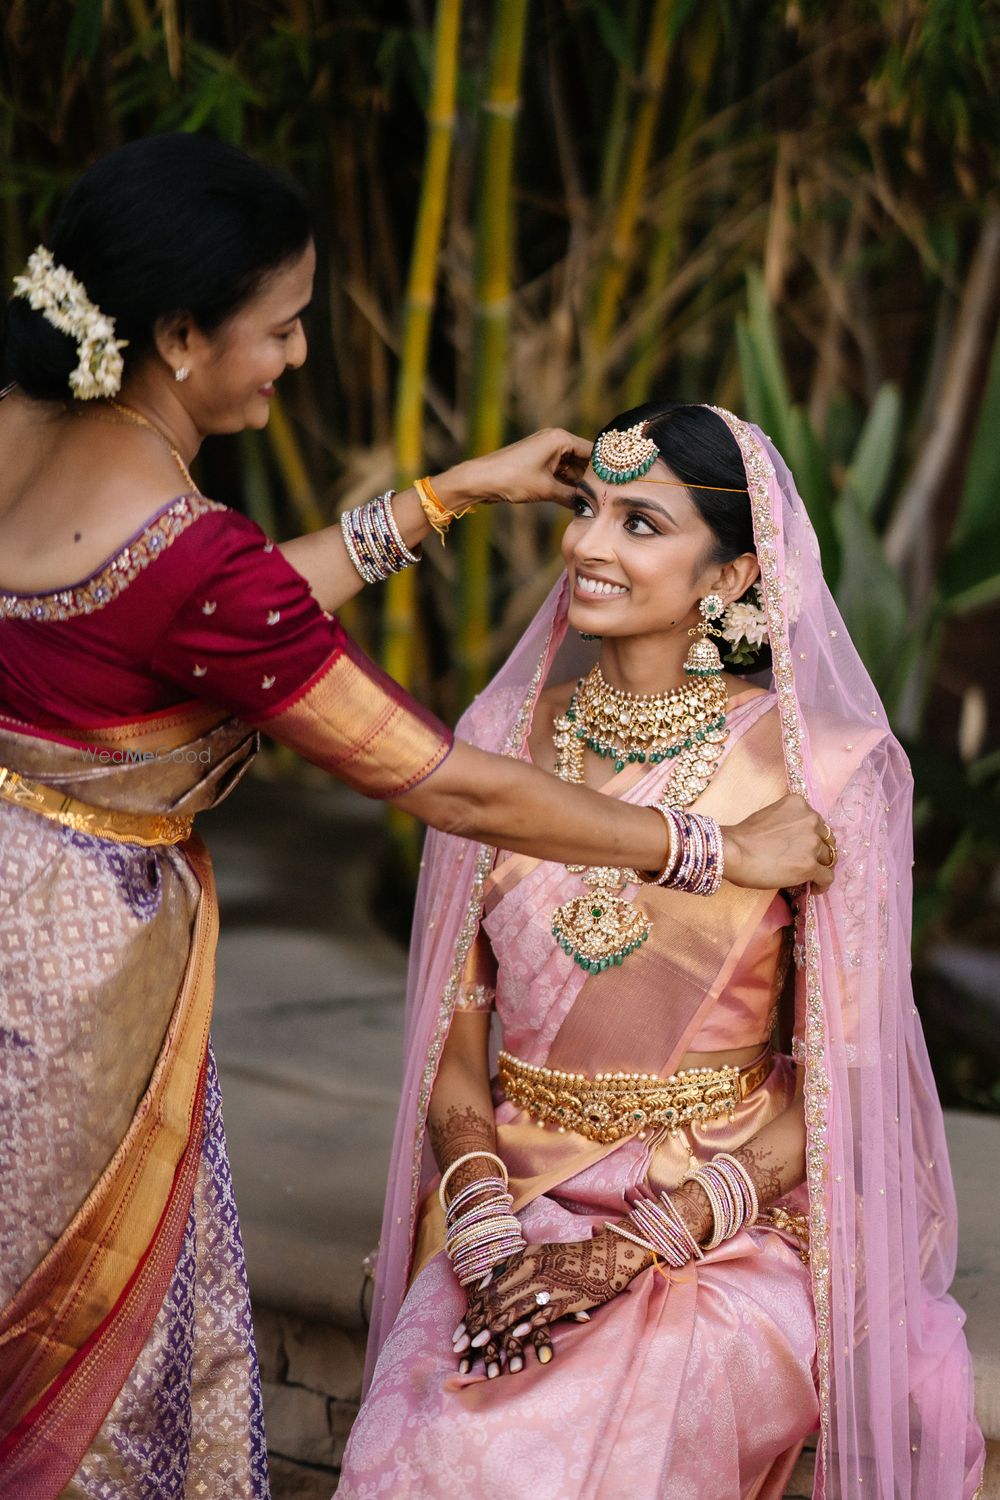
(637, 502)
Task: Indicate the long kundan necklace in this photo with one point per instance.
(686, 725)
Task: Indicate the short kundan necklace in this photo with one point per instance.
(630, 729)
(686, 725)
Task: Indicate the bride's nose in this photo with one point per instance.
(596, 544)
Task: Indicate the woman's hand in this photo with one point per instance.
(781, 846)
(515, 1311)
(545, 466)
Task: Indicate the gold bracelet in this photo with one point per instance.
(438, 515)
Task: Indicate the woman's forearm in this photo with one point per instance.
(544, 466)
(774, 1158)
(460, 1117)
(324, 562)
(510, 805)
(504, 802)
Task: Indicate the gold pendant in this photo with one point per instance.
(601, 928)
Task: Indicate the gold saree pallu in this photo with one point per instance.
(145, 829)
(611, 1106)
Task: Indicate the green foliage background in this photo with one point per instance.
(535, 211)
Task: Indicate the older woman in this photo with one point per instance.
(146, 631)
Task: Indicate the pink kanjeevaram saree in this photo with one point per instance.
(701, 1384)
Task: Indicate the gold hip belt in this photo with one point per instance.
(610, 1106)
(145, 829)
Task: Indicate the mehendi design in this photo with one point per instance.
(768, 1173)
(463, 1129)
(691, 1202)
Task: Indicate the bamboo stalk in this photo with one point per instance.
(704, 48)
(616, 127)
(620, 258)
(172, 36)
(493, 278)
(906, 536)
(288, 455)
(400, 591)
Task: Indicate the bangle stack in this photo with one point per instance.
(729, 1188)
(438, 514)
(655, 1224)
(374, 541)
(662, 1231)
(695, 858)
(481, 1228)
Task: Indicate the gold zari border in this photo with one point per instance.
(145, 829)
(760, 473)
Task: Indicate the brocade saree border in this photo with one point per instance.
(75, 1327)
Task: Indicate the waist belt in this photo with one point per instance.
(610, 1106)
(145, 829)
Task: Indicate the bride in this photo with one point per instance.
(703, 1209)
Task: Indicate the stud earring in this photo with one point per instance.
(703, 659)
(181, 373)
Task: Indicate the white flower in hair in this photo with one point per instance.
(55, 292)
(744, 626)
(745, 622)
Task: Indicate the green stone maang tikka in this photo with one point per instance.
(621, 456)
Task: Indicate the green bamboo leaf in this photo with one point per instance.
(870, 598)
(873, 458)
(770, 399)
(84, 34)
(978, 505)
(805, 457)
(970, 571)
(613, 32)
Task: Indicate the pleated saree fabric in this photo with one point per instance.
(700, 1383)
(127, 1360)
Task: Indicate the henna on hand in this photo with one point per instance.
(576, 1276)
(460, 1131)
(773, 1176)
(693, 1204)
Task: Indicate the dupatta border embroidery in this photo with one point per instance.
(484, 863)
(114, 577)
(760, 474)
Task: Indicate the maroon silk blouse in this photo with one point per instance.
(200, 604)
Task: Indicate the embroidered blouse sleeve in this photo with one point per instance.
(478, 990)
(250, 637)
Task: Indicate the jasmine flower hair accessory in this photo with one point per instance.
(55, 292)
(744, 626)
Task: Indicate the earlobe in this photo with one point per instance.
(172, 337)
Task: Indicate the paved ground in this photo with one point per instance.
(308, 1038)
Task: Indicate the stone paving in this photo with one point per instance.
(308, 1038)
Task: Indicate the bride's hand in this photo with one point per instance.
(545, 466)
(516, 1310)
(781, 846)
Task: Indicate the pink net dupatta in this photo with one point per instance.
(894, 1372)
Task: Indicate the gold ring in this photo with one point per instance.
(827, 834)
(829, 863)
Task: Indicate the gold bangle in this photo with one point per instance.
(438, 515)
